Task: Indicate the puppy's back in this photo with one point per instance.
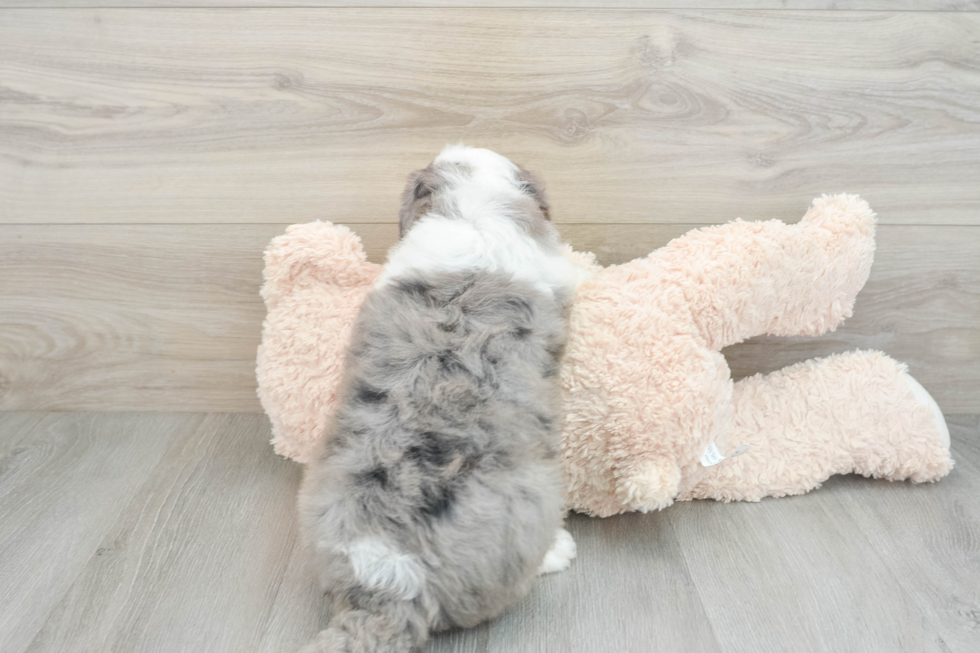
(438, 491)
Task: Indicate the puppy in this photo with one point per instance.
(437, 496)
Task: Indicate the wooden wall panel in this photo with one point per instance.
(168, 317)
(921, 305)
(148, 155)
(273, 115)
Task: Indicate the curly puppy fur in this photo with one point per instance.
(438, 492)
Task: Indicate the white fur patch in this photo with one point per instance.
(378, 566)
(437, 244)
(560, 555)
(486, 238)
(480, 159)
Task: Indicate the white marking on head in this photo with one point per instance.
(483, 236)
(482, 161)
(489, 185)
(437, 244)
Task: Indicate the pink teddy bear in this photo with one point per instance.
(651, 413)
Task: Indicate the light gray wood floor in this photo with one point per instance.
(160, 532)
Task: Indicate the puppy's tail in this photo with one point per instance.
(392, 628)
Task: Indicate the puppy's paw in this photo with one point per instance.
(559, 556)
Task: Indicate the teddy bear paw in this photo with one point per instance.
(923, 397)
(649, 485)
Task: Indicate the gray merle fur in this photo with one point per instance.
(445, 447)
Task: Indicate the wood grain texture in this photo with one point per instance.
(929, 536)
(805, 579)
(198, 556)
(168, 317)
(838, 5)
(921, 306)
(15, 427)
(158, 317)
(271, 115)
(629, 577)
(298, 611)
(189, 544)
(62, 486)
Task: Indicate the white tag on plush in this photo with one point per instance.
(712, 456)
(739, 450)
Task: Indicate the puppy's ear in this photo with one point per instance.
(534, 187)
(417, 198)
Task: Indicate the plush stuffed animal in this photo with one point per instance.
(651, 413)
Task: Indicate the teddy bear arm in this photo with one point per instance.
(316, 276)
(312, 254)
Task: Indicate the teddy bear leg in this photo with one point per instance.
(316, 276)
(648, 482)
(769, 277)
(859, 412)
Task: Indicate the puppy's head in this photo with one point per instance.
(469, 183)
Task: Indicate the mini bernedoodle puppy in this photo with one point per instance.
(437, 498)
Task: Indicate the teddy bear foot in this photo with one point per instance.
(923, 397)
(649, 485)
